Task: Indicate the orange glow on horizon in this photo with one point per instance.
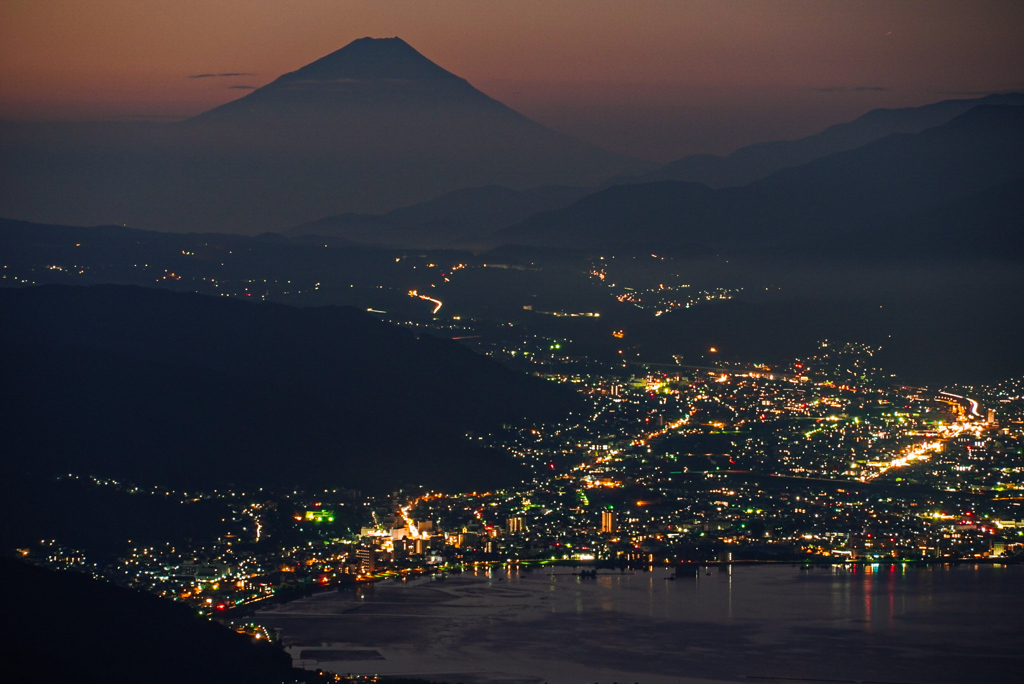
(690, 71)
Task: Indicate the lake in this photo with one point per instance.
(778, 623)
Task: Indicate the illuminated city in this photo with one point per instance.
(805, 463)
(512, 343)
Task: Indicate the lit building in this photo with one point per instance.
(607, 522)
(367, 560)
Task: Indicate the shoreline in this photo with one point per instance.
(501, 627)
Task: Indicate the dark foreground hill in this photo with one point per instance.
(186, 389)
(63, 627)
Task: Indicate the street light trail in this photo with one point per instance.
(973, 403)
(414, 293)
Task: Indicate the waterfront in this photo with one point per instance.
(881, 623)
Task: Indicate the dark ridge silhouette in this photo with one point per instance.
(105, 520)
(462, 218)
(185, 389)
(614, 218)
(465, 217)
(847, 195)
(69, 627)
(946, 278)
(982, 225)
(370, 127)
(753, 162)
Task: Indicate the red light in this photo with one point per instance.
(222, 606)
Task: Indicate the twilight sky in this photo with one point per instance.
(653, 78)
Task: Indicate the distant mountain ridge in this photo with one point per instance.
(847, 193)
(463, 218)
(753, 162)
(460, 218)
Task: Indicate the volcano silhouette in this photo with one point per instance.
(370, 127)
(379, 96)
(385, 75)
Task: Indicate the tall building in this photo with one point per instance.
(607, 522)
(516, 525)
(367, 560)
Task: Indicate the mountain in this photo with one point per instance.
(983, 224)
(73, 628)
(617, 217)
(461, 218)
(183, 389)
(753, 162)
(368, 128)
(383, 77)
(845, 195)
(464, 217)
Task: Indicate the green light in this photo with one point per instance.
(320, 516)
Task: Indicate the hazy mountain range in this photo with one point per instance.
(889, 183)
(864, 176)
(376, 144)
(753, 162)
(465, 217)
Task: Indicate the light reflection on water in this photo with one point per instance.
(885, 623)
